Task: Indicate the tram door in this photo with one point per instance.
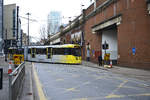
(33, 51)
(49, 53)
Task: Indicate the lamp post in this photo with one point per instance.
(28, 14)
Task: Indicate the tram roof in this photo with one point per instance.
(57, 46)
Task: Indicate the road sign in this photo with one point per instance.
(1, 78)
(133, 51)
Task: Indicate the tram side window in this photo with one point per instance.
(41, 51)
(20, 51)
(10, 51)
(29, 51)
(58, 51)
(67, 51)
(49, 53)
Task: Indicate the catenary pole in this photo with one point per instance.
(28, 14)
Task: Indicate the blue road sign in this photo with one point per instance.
(133, 50)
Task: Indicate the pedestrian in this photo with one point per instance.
(88, 55)
(88, 52)
(100, 60)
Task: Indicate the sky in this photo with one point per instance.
(39, 10)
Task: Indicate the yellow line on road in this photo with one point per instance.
(38, 85)
(111, 95)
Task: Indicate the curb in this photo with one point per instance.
(27, 91)
(31, 84)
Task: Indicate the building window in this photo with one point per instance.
(115, 9)
(128, 4)
(14, 22)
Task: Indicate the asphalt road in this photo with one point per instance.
(76, 82)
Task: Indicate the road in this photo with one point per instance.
(77, 82)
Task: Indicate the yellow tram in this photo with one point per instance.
(67, 53)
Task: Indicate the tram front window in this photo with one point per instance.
(76, 52)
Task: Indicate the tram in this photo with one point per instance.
(67, 53)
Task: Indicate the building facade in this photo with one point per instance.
(54, 22)
(24, 39)
(116, 22)
(1, 26)
(121, 24)
(12, 26)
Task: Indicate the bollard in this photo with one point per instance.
(10, 68)
(1, 78)
(110, 64)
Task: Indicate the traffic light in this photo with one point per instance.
(105, 46)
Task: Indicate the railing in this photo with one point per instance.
(16, 79)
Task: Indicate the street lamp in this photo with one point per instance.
(28, 14)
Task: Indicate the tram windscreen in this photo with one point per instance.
(73, 51)
(67, 51)
(76, 52)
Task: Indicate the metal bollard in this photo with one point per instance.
(1, 78)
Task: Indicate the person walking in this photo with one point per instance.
(100, 60)
(88, 52)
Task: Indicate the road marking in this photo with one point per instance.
(131, 87)
(112, 95)
(100, 77)
(71, 89)
(143, 94)
(121, 96)
(38, 85)
(81, 99)
(86, 83)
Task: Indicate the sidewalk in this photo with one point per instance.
(4, 91)
(129, 72)
(27, 90)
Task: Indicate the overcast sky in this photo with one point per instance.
(39, 10)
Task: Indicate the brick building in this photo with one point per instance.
(123, 25)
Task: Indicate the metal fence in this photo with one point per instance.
(16, 79)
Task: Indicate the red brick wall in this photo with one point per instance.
(93, 39)
(96, 39)
(133, 32)
(91, 7)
